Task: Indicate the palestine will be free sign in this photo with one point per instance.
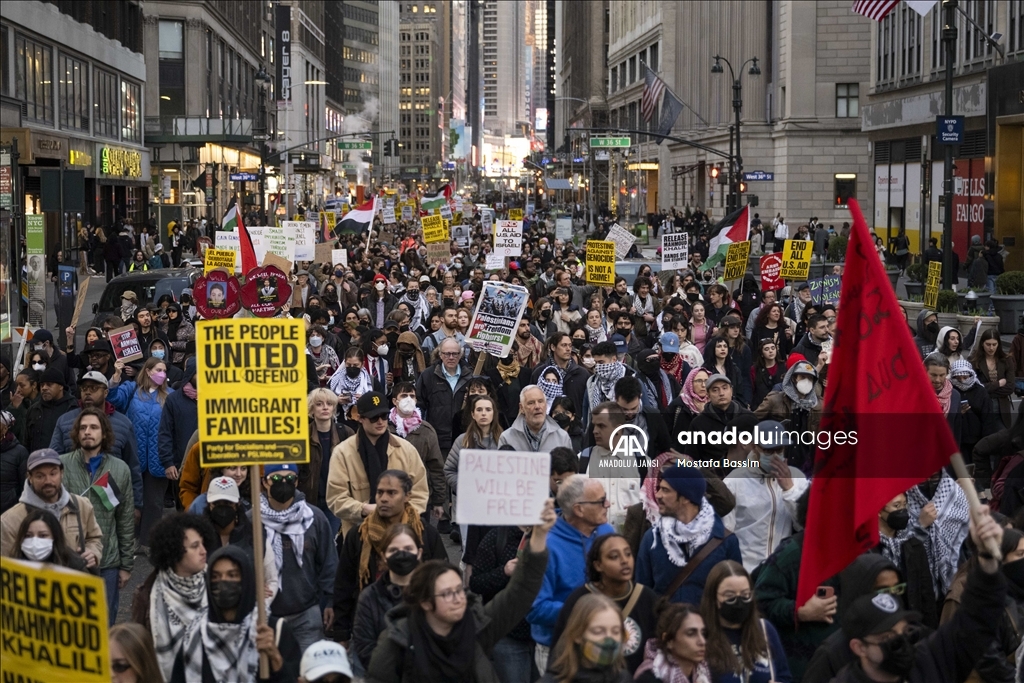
(252, 392)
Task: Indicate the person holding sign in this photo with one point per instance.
(438, 613)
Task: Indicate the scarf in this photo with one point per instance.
(443, 659)
(509, 372)
(31, 499)
(947, 533)
(665, 670)
(529, 352)
(689, 398)
(552, 390)
(963, 367)
(789, 386)
(420, 308)
(405, 425)
(174, 603)
(650, 486)
(945, 397)
(230, 649)
(190, 391)
(371, 535)
(596, 336)
(292, 523)
(340, 383)
(603, 386)
(892, 547)
(643, 306)
(674, 368)
(682, 540)
(374, 457)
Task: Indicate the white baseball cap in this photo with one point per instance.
(324, 657)
(222, 488)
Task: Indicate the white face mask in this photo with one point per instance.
(406, 405)
(589, 362)
(805, 386)
(315, 342)
(383, 349)
(38, 367)
(37, 549)
(380, 286)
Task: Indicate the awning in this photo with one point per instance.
(557, 184)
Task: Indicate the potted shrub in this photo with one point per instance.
(1008, 300)
(914, 283)
(946, 308)
(967, 320)
(980, 300)
(912, 305)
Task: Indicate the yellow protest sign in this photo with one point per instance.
(219, 258)
(934, 273)
(435, 229)
(54, 625)
(736, 260)
(515, 214)
(600, 262)
(796, 259)
(252, 391)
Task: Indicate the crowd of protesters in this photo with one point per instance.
(652, 570)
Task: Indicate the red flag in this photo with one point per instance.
(877, 387)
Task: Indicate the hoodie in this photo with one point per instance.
(41, 420)
(566, 571)
(407, 369)
(940, 342)
(924, 339)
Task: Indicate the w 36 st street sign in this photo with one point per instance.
(609, 142)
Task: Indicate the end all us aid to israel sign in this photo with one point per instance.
(252, 392)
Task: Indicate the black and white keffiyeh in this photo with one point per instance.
(230, 649)
(947, 533)
(682, 540)
(340, 383)
(174, 603)
(292, 523)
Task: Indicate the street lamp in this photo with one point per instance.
(737, 106)
(263, 81)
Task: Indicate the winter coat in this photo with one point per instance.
(125, 446)
(178, 421)
(145, 412)
(451, 464)
(924, 340)
(13, 470)
(424, 440)
(551, 436)
(117, 525)
(77, 519)
(375, 601)
(348, 486)
(711, 420)
(764, 515)
(980, 420)
(309, 474)
(393, 660)
(1005, 369)
(489, 578)
(41, 420)
(439, 404)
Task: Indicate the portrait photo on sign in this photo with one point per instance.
(216, 294)
(268, 290)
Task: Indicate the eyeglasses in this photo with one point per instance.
(450, 354)
(452, 594)
(601, 501)
(287, 478)
(377, 418)
(120, 666)
(898, 589)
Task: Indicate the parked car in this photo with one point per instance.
(148, 285)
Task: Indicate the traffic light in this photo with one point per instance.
(714, 172)
(743, 187)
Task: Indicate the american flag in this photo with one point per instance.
(653, 88)
(874, 9)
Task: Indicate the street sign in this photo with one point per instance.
(609, 142)
(243, 177)
(261, 136)
(949, 130)
(756, 176)
(355, 144)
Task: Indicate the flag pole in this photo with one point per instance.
(964, 479)
(699, 117)
(257, 551)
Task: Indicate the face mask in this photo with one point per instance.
(649, 366)
(158, 377)
(406, 405)
(765, 459)
(282, 491)
(898, 519)
(563, 420)
(692, 296)
(380, 286)
(578, 343)
(601, 653)
(804, 386)
(589, 362)
(226, 595)
(897, 656)
(383, 349)
(339, 273)
(606, 370)
(315, 342)
(222, 515)
(932, 327)
(37, 549)
(544, 314)
(159, 353)
(736, 612)
(38, 367)
(353, 372)
(449, 302)
(403, 562)
(1014, 572)
(414, 294)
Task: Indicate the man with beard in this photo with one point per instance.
(531, 351)
(45, 491)
(147, 331)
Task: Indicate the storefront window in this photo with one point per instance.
(131, 112)
(34, 79)
(105, 106)
(74, 94)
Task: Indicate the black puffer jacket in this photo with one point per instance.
(41, 420)
(13, 468)
(376, 600)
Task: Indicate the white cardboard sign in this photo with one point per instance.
(502, 488)
(623, 240)
(508, 238)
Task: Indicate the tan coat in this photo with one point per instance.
(348, 487)
(11, 520)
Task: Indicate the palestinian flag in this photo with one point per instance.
(106, 490)
(431, 204)
(358, 220)
(734, 228)
(232, 222)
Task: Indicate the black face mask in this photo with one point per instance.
(282, 491)
(403, 562)
(392, 338)
(414, 294)
(932, 327)
(222, 515)
(649, 366)
(668, 357)
(448, 302)
(226, 595)
(897, 656)
(353, 372)
(578, 343)
(563, 420)
(737, 611)
(1014, 572)
(692, 296)
(898, 519)
(544, 314)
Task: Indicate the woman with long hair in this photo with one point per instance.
(718, 360)
(564, 313)
(41, 538)
(610, 565)
(482, 432)
(950, 344)
(770, 323)
(590, 648)
(542, 323)
(142, 400)
(741, 646)
(767, 371)
(677, 653)
(719, 302)
(996, 371)
(691, 400)
(351, 380)
(701, 328)
(132, 657)
(180, 332)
